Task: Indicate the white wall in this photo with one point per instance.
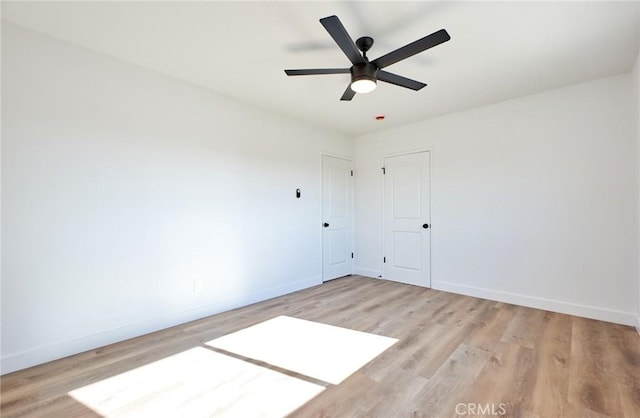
(534, 200)
(121, 186)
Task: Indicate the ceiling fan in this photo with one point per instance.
(365, 73)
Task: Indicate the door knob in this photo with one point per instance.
(425, 226)
(325, 224)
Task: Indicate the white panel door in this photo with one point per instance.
(336, 215)
(407, 220)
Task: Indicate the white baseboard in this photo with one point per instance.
(33, 357)
(618, 317)
(638, 324)
(366, 272)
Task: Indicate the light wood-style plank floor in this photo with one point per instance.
(453, 351)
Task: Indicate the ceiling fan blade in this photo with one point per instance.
(339, 34)
(348, 94)
(318, 71)
(399, 80)
(413, 48)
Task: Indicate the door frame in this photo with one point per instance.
(321, 220)
(382, 194)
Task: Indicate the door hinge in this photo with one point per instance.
(351, 255)
(384, 259)
(351, 173)
(384, 171)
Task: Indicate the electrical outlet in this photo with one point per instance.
(198, 284)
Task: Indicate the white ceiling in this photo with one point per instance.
(497, 51)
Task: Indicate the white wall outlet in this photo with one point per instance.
(198, 285)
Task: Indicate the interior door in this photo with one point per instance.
(406, 223)
(336, 215)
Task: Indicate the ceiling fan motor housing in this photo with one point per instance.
(366, 71)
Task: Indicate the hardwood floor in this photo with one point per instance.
(455, 356)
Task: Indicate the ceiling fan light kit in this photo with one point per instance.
(364, 77)
(364, 73)
(363, 85)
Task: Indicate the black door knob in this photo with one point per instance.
(325, 224)
(425, 226)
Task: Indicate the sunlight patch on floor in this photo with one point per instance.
(204, 382)
(316, 350)
(197, 382)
